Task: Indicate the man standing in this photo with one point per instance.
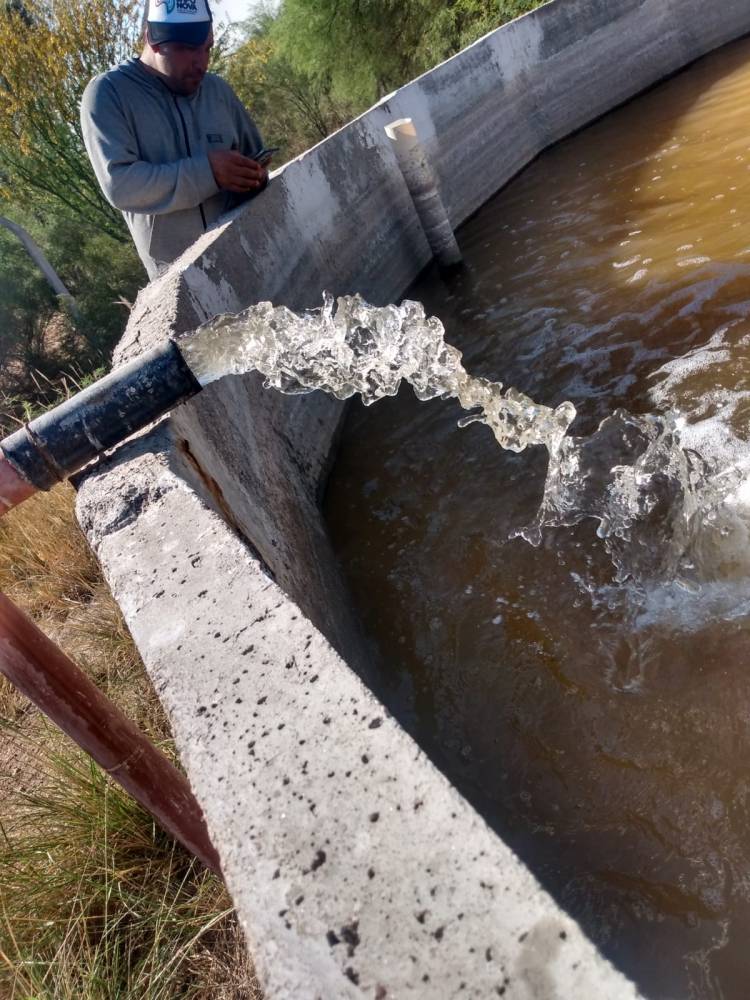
(171, 145)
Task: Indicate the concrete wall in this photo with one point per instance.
(357, 870)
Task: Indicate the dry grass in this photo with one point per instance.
(95, 901)
(48, 570)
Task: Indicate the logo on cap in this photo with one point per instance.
(186, 6)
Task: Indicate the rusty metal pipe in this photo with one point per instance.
(14, 489)
(49, 678)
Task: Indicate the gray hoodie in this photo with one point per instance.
(149, 149)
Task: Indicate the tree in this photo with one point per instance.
(460, 22)
(38, 338)
(51, 49)
(370, 47)
(366, 47)
(294, 109)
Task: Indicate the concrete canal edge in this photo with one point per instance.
(356, 868)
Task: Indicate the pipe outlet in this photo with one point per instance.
(65, 439)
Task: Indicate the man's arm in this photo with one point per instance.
(130, 184)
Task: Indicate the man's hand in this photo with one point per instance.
(235, 172)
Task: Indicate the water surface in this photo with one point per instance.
(603, 729)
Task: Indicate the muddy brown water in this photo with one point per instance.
(604, 732)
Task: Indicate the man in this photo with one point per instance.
(171, 144)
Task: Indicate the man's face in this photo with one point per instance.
(182, 67)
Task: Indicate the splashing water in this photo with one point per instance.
(369, 350)
(630, 473)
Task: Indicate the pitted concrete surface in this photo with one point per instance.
(355, 867)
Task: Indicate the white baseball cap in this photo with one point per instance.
(185, 21)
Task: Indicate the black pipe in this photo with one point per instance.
(63, 440)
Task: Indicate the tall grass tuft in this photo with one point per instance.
(96, 901)
(48, 569)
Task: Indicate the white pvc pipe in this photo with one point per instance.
(422, 184)
(37, 255)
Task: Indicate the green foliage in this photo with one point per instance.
(293, 108)
(458, 24)
(104, 277)
(366, 47)
(26, 305)
(51, 49)
(308, 68)
(44, 352)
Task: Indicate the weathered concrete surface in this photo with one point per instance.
(358, 869)
(209, 534)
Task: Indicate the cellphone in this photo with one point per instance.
(265, 154)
